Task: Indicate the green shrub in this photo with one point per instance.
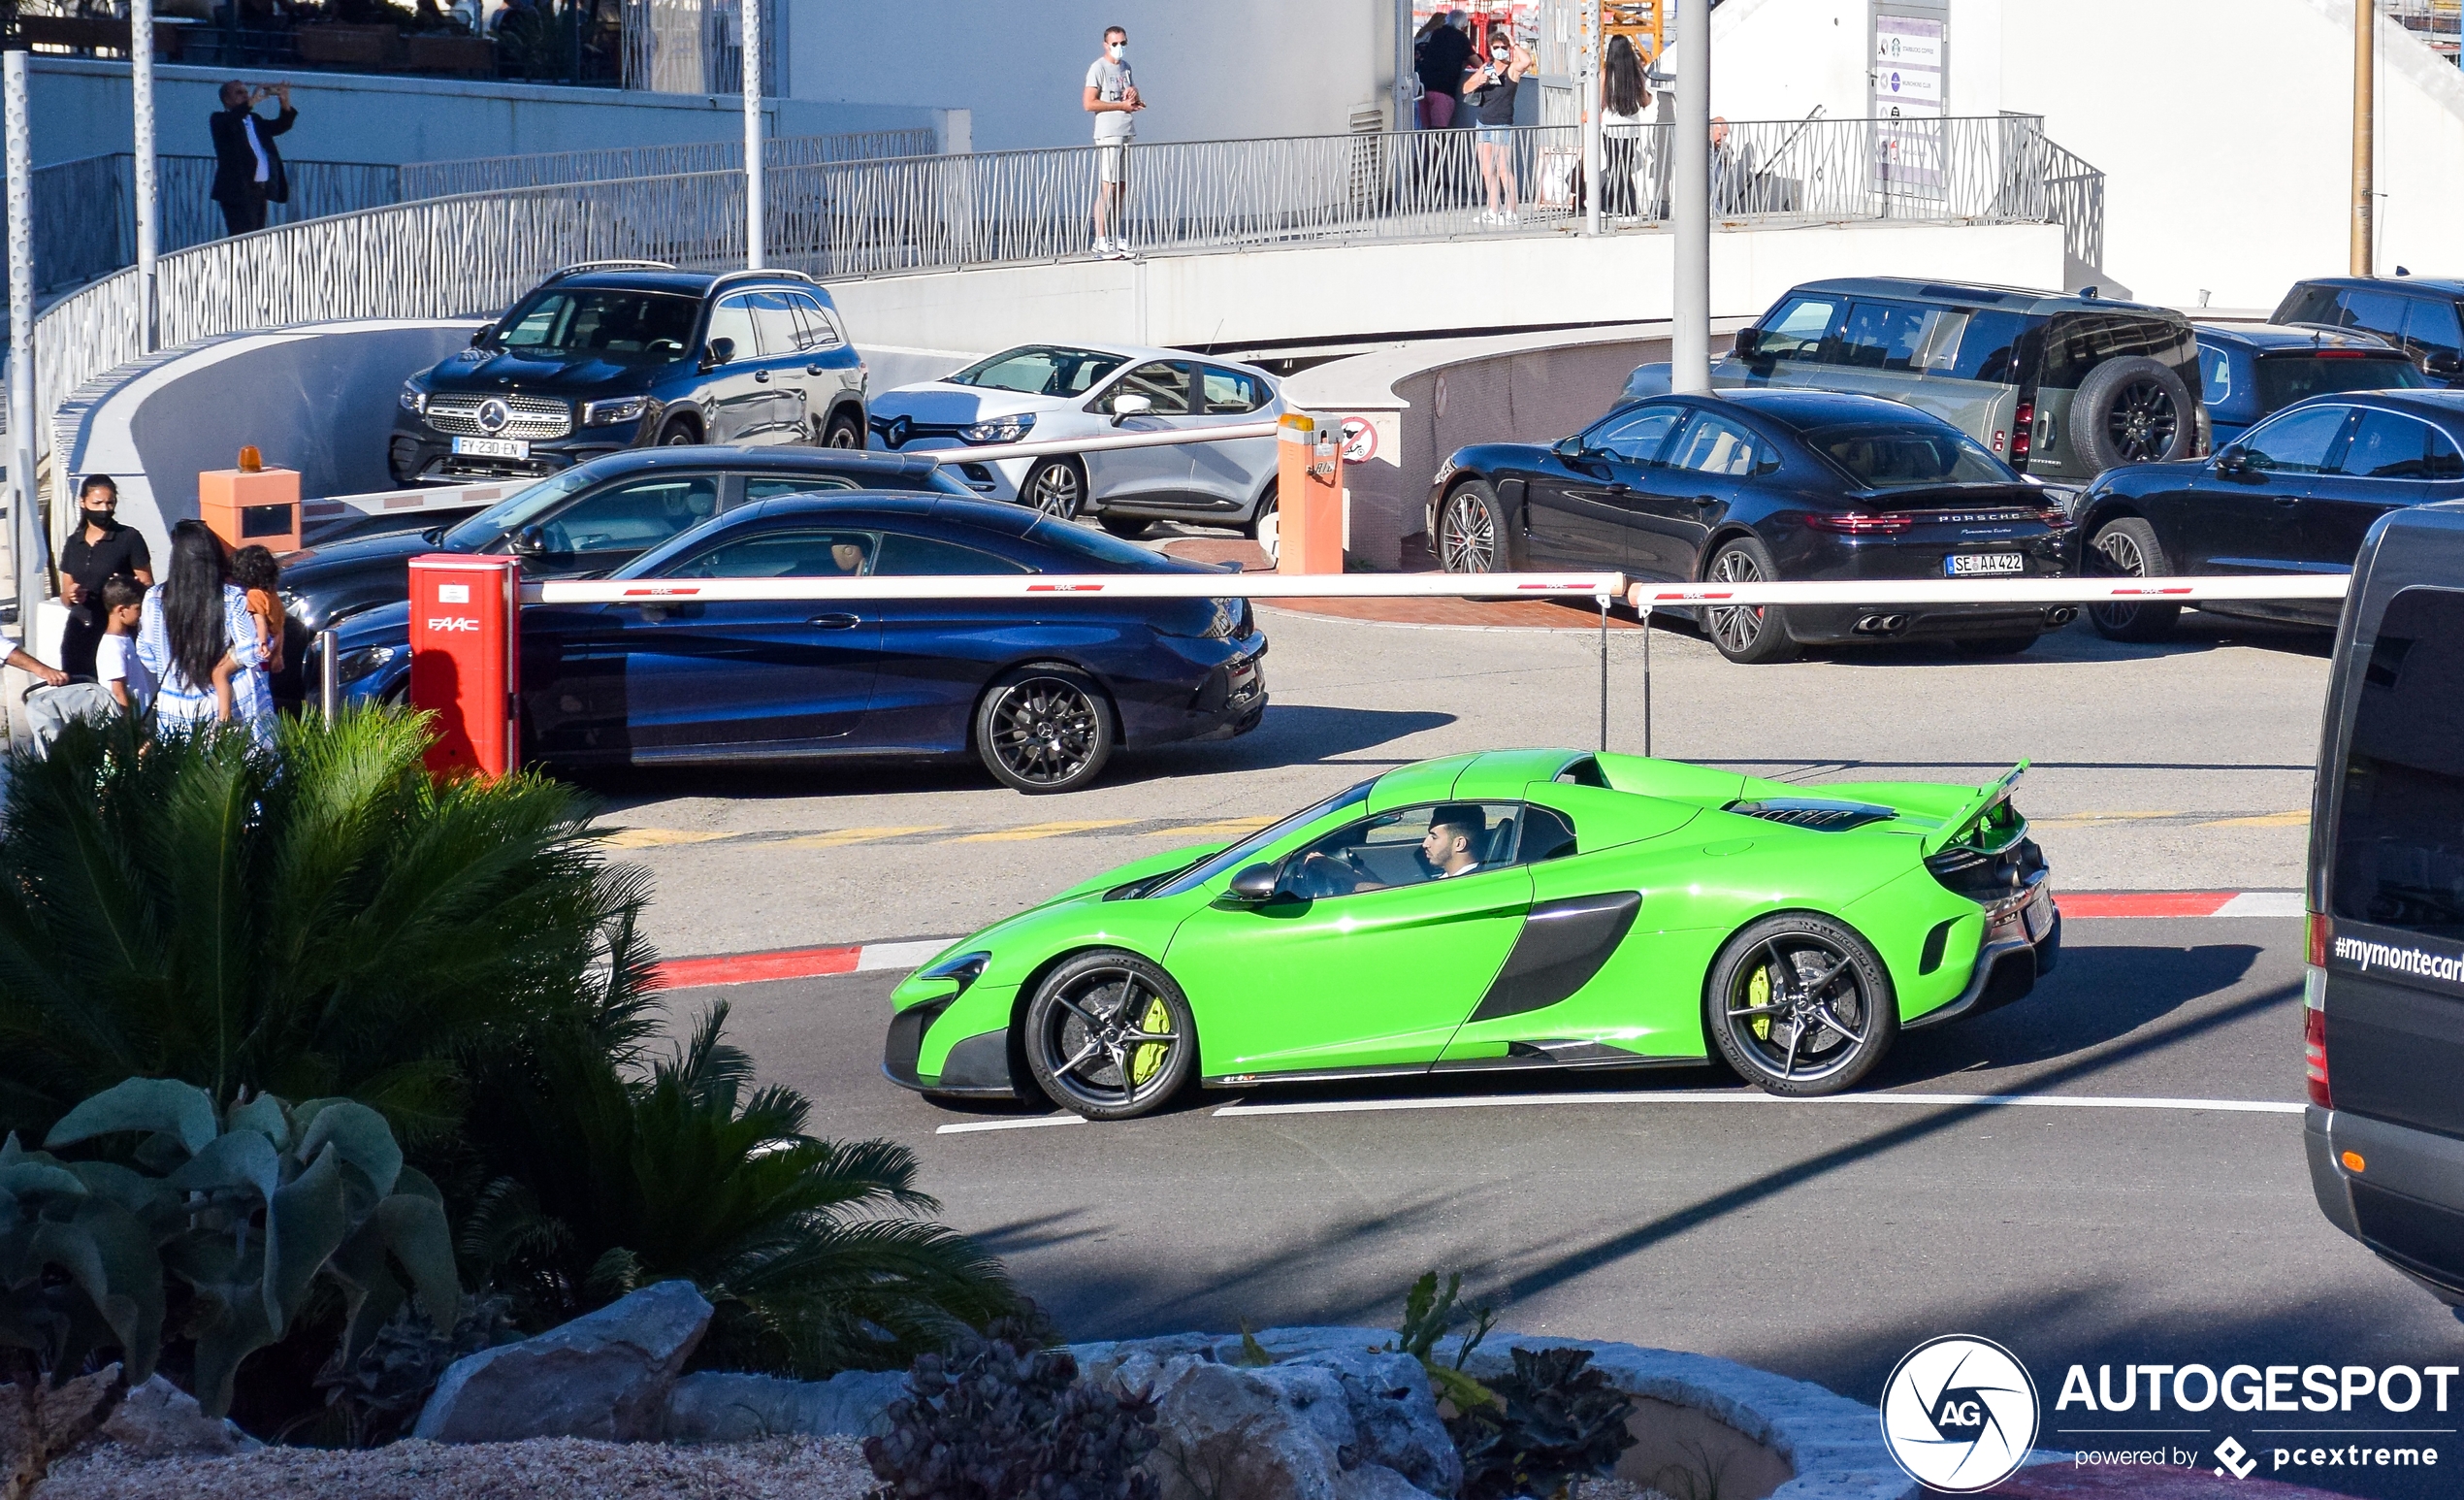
(318, 920)
(814, 1254)
(1002, 1418)
(247, 1206)
(1428, 1316)
(1555, 1420)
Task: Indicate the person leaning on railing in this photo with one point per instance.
(1623, 97)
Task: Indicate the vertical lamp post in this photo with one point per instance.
(1587, 89)
(2365, 19)
(25, 543)
(140, 82)
(1690, 206)
(751, 10)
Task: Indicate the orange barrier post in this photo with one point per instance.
(245, 505)
(1309, 491)
(465, 652)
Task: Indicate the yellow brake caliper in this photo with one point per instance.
(1758, 993)
(1145, 1060)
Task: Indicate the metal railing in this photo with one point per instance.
(497, 174)
(476, 252)
(85, 214)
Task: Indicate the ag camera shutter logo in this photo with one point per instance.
(1959, 1414)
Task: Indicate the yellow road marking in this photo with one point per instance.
(1220, 827)
(1038, 830)
(2265, 820)
(837, 837)
(652, 839)
(2085, 819)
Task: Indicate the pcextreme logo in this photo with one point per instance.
(1959, 1414)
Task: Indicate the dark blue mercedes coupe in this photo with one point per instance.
(1041, 691)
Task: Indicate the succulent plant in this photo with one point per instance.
(1002, 1418)
(249, 1206)
(1555, 1420)
(1428, 1316)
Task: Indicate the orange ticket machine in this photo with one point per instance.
(1309, 491)
(466, 653)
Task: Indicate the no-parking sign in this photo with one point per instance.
(1360, 440)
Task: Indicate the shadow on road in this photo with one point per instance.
(1295, 734)
(2094, 995)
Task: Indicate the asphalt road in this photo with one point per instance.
(1823, 1240)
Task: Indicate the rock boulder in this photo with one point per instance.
(605, 1375)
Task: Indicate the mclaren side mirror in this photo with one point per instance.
(1568, 448)
(718, 352)
(1127, 406)
(1255, 885)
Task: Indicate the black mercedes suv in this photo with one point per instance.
(622, 355)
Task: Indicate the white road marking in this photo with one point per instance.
(899, 954)
(1010, 1124)
(2262, 904)
(1689, 1097)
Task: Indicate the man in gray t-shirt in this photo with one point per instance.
(1112, 97)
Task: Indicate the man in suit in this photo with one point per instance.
(249, 169)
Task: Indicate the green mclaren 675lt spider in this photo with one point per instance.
(1510, 910)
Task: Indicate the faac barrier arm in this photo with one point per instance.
(470, 678)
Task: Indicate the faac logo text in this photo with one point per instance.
(454, 625)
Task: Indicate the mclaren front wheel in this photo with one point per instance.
(1109, 1035)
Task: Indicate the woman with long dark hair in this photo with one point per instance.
(195, 623)
(1623, 97)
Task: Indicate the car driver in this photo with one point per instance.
(1456, 831)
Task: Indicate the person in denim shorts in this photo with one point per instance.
(1490, 91)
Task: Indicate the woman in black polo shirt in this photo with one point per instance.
(100, 548)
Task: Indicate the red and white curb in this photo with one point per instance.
(744, 969)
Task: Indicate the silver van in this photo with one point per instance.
(2063, 387)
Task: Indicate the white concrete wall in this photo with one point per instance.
(1335, 292)
(1208, 72)
(2222, 126)
(82, 108)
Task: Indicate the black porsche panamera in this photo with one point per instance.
(1761, 485)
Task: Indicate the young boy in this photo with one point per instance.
(116, 665)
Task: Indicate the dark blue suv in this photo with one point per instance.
(621, 354)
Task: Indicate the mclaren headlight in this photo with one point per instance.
(965, 968)
(363, 662)
(413, 397)
(1001, 429)
(620, 409)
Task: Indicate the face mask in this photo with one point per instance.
(1119, 50)
(1501, 55)
(103, 519)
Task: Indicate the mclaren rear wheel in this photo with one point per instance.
(1800, 1005)
(1109, 1035)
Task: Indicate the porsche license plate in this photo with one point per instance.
(490, 447)
(1983, 564)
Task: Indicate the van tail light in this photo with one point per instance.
(2022, 429)
(1859, 523)
(2314, 1013)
